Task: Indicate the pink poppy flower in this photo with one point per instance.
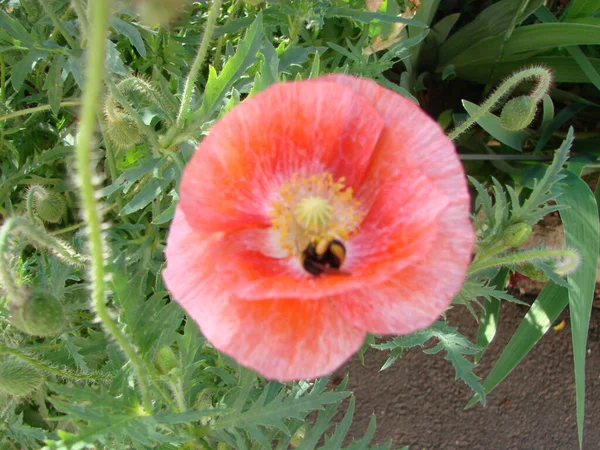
(313, 213)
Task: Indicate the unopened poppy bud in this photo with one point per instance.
(122, 130)
(159, 12)
(518, 113)
(165, 360)
(47, 205)
(19, 378)
(42, 314)
(516, 234)
(533, 273)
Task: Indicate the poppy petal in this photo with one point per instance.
(233, 175)
(415, 297)
(283, 339)
(410, 138)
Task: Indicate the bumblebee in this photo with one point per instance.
(323, 255)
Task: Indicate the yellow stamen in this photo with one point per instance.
(314, 208)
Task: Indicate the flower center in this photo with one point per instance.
(313, 209)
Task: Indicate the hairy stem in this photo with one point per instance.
(543, 83)
(99, 15)
(526, 256)
(38, 237)
(198, 61)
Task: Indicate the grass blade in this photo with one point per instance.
(580, 221)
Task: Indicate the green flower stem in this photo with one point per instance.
(543, 84)
(63, 372)
(522, 257)
(122, 100)
(58, 24)
(24, 112)
(99, 15)
(215, 9)
(38, 237)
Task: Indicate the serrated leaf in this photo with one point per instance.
(130, 32)
(529, 212)
(130, 176)
(217, 86)
(53, 83)
(113, 59)
(21, 69)
(146, 195)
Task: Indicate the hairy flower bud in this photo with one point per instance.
(165, 360)
(48, 205)
(121, 128)
(19, 378)
(41, 315)
(518, 113)
(516, 234)
(533, 273)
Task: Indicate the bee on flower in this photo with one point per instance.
(313, 213)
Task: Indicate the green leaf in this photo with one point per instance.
(493, 20)
(538, 37)
(21, 69)
(544, 310)
(580, 221)
(582, 8)
(130, 176)
(130, 32)
(578, 56)
(531, 211)
(491, 123)
(53, 83)
(564, 68)
(450, 340)
(147, 194)
(113, 59)
(15, 29)
(217, 86)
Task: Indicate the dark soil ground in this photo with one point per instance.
(419, 404)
